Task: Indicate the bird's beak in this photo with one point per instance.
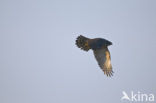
(111, 43)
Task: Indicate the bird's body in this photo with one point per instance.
(101, 52)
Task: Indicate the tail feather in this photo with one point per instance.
(82, 42)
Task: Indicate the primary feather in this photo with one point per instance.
(103, 58)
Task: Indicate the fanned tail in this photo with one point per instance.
(82, 42)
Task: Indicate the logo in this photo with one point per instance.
(137, 97)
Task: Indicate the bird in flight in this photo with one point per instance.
(100, 49)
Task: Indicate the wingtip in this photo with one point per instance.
(108, 73)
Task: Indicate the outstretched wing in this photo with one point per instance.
(103, 58)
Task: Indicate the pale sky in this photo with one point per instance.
(40, 63)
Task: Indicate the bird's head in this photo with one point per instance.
(107, 43)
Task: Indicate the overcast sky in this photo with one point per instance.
(40, 63)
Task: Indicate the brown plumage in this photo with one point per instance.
(100, 49)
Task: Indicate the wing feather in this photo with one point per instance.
(103, 58)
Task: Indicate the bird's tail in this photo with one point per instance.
(82, 42)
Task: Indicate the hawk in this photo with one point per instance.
(100, 49)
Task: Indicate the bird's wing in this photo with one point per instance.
(103, 58)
